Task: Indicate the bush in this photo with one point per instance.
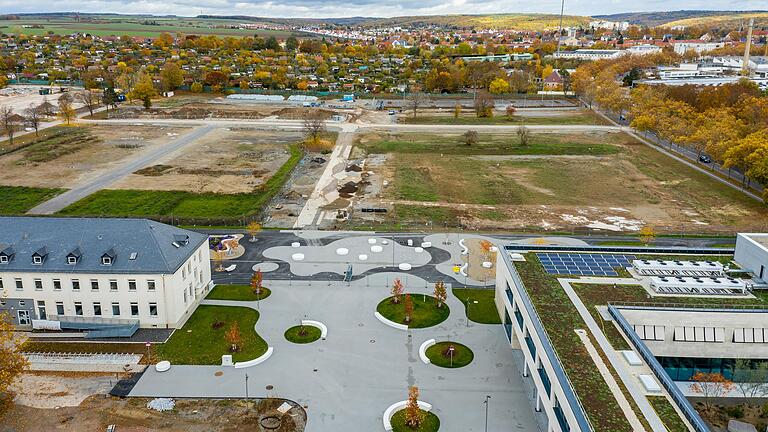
(735, 411)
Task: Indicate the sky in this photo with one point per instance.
(368, 8)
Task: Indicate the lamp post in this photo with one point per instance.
(487, 398)
(246, 389)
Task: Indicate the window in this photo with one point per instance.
(37, 259)
(153, 309)
(105, 260)
(115, 309)
(76, 285)
(79, 308)
(94, 285)
(3, 259)
(185, 296)
(56, 285)
(22, 303)
(134, 309)
(97, 309)
(59, 308)
(131, 285)
(19, 284)
(39, 285)
(112, 285)
(1, 283)
(71, 260)
(150, 285)
(41, 310)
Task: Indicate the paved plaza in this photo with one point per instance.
(347, 381)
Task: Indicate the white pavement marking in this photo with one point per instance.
(629, 413)
(629, 381)
(103, 181)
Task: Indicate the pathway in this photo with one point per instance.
(348, 380)
(103, 181)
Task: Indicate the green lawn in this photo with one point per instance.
(567, 118)
(462, 355)
(201, 342)
(484, 311)
(236, 292)
(16, 200)
(431, 423)
(185, 205)
(310, 335)
(667, 414)
(425, 311)
(490, 144)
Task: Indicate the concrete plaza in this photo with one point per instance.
(347, 381)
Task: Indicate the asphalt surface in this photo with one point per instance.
(103, 181)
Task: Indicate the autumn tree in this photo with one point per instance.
(257, 280)
(524, 134)
(408, 308)
(499, 86)
(510, 111)
(8, 120)
(313, 126)
(233, 337)
(34, 117)
(484, 105)
(414, 416)
(710, 385)
(12, 362)
(66, 110)
(253, 228)
(416, 101)
(196, 87)
(144, 90)
(647, 234)
(441, 294)
(89, 99)
(397, 291)
(457, 111)
(171, 76)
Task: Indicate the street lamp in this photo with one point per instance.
(246, 389)
(487, 398)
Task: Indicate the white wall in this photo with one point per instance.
(751, 255)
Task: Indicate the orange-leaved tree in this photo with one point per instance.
(441, 294)
(397, 291)
(710, 385)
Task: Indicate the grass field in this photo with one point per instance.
(236, 292)
(425, 311)
(135, 26)
(462, 355)
(484, 311)
(202, 339)
(180, 204)
(30, 138)
(577, 118)
(19, 199)
(552, 182)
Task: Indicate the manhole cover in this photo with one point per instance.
(270, 422)
(219, 373)
(270, 387)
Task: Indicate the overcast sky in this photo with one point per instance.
(379, 8)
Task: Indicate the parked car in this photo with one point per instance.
(391, 112)
(705, 159)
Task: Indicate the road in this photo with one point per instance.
(103, 181)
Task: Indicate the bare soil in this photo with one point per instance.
(226, 160)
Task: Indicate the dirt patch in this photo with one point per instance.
(52, 390)
(226, 160)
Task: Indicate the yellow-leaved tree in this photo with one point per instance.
(12, 362)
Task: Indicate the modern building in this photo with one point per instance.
(752, 254)
(96, 274)
(698, 46)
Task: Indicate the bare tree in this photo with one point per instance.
(34, 116)
(314, 126)
(416, 101)
(470, 137)
(89, 99)
(8, 122)
(524, 134)
(751, 379)
(484, 105)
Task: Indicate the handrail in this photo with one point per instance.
(723, 307)
(622, 249)
(585, 424)
(677, 395)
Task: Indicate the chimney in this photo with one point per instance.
(747, 47)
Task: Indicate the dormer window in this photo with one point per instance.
(3, 259)
(74, 256)
(37, 259)
(6, 255)
(108, 257)
(39, 255)
(71, 260)
(105, 260)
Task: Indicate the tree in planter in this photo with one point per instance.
(413, 414)
(441, 294)
(397, 291)
(253, 229)
(256, 282)
(233, 337)
(485, 245)
(408, 308)
(710, 385)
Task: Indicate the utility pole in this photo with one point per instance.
(745, 66)
(560, 29)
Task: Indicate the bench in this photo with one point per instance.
(256, 361)
(323, 328)
(423, 350)
(392, 324)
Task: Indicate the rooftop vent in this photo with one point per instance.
(133, 256)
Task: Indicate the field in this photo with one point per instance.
(19, 199)
(134, 26)
(226, 161)
(597, 180)
(521, 117)
(64, 156)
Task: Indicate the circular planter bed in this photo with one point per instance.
(425, 311)
(440, 356)
(310, 334)
(431, 423)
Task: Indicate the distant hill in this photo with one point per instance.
(490, 21)
(681, 17)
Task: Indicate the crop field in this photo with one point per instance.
(134, 26)
(605, 181)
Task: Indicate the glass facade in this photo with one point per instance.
(508, 325)
(531, 346)
(683, 368)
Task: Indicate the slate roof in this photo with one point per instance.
(151, 242)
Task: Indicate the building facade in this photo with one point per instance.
(752, 254)
(84, 272)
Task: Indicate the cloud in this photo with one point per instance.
(348, 8)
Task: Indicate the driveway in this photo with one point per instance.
(348, 380)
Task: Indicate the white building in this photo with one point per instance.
(609, 25)
(97, 274)
(644, 49)
(591, 54)
(752, 254)
(698, 46)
